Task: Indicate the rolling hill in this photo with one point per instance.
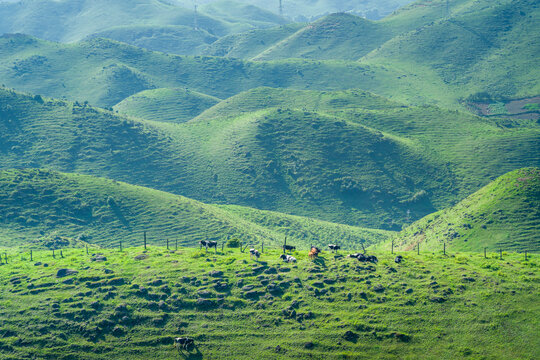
(169, 105)
(105, 72)
(38, 204)
(172, 39)
(343, 157)
(337, 36)
(480, 47)
(131, 304)
(505, 215)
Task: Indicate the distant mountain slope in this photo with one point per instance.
(328, 158)
(105, 72)
(235, 12)
(505, 215)
(480, 47)
(73, 20)
(304, 10)
(248, 44)
(36, 203)
(337, 36)
(182, 40)
(169, 105)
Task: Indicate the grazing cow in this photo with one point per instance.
(289, 248)
(254, 254)
(334, 248)
(365, 258)
(398, 259)
(183, 343)
(208, 244)
(288, 258)
(314, 252)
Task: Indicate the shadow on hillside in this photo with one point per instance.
(191, 356)
(320, 261)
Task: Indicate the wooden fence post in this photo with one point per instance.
(525, 255)
(444, 248)
(222, 245)
(500, 254)
(86, 249)
(167, 244)
(262, 247)
(285, 244)
(61, 254)
(120, 245)
(392, 246)
(5, 254)
(54, 256)
(145, 240)
(176, 244)
(31, 256)
(418, 248)
(485, 253)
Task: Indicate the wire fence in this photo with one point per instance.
(219, 247)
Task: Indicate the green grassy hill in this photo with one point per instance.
(169, 105)
(502, 215)
(479, 47)
(344, 157)
(70, 21)
(337, 36)
(38, 204)
(105, 72)
(247, 45)
(172, 39)
(134, 303)
(236, 12)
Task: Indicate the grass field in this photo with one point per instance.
(505, 214)
(429, 306)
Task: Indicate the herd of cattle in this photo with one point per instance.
(188, 343)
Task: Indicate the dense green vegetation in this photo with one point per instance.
(39, 204)
(502, 215)
(131, 304)
(338, 156)
(169, 105)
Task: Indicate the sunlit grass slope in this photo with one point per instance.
(505, 215)
(346, 157)
(169, 105)
(38, 204)
(133, 304)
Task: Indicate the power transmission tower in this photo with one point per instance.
(195, 20)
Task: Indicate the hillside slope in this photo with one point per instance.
(105, 72)
(479, 47)
(337, 36)
(343, 157)
(172, 39)
(132, 304)
(169, 105)
(38, 204)
(502, 215)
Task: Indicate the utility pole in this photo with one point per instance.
(195, 20)
(280, 8)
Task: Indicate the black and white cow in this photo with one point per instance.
(254, 254)
(288, 258)
(334, 247)
(208, 244)
(184, 343)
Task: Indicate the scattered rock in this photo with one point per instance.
(141, 257)
(216, 273)
(378, 288)
(99, 258)
(350, 336)
(409, 291)
(309, 345)
(65, 272)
